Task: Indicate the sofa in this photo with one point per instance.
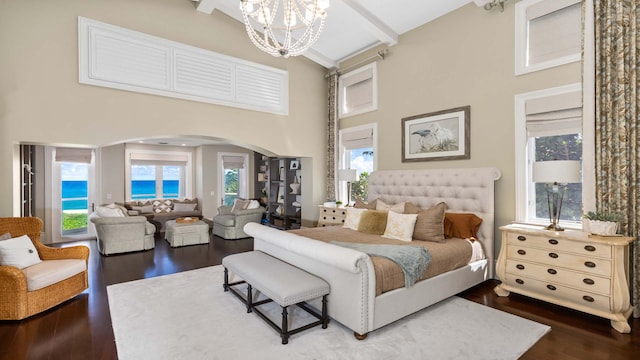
(229, 222)
(118, 232)
(159, 211)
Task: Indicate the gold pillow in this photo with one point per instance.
(430, 223)
(461, 225)
(373, 222)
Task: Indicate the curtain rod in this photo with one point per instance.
(379, 55)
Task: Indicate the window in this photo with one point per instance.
(234, 182)
(357, 151)
(158, 174)
(548, 127)
(548, 33)
(358, 91)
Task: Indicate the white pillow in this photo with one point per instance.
(253, 204)
(108, 211)
(183, 206)
(398, 208)
(239, 204)
(353, 218)
(400, 226)
(19, 252)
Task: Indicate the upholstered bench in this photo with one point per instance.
(182, 234)
(278, 281)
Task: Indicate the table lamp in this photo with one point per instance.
(348, 175)
(558, 173)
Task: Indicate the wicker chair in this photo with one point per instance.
(16, 302)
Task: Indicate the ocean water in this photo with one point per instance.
(74, 193)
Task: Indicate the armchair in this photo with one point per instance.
(230, 225)
(123, 234)
(21, 291)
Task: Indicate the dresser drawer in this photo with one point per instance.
(574, 279)
(560, 259)
(332, 216)
(560, 292)
(558, 244)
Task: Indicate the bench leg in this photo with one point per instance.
(249, 299)
(325, 316)
(226, 280)
(285, 331)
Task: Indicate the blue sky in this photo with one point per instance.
(361, 162)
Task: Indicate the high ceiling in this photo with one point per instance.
(353, 26)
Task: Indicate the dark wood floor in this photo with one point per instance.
(81, 328)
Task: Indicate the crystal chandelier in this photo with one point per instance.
(289, 27)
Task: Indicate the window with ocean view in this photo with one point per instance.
(74, 197)
(148, 181)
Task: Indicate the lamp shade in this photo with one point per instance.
(347, 175)
(560, 171)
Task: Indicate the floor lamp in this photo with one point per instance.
(556, 174)
(348, 175)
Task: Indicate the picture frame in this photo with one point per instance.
(261, 177)
(294, 165)
(440, 135)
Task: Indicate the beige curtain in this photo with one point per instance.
(617, 120)
(332, 135)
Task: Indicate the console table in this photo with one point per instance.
(570, 268)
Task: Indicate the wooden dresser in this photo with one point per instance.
(569, 268)
(331, 216)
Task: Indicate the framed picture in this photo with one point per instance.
(440, 135)
(261, 177)
(295, 165)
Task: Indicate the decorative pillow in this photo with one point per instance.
(411, 208)
(371, 205)
(145, 209)
(6, 236)
(183, 207)
(373, 222)
(253, 204)
(461, 225)
(400, 226)
(430, 223)
(239, 204)
(162, 206)
(187, 201)
(19, 252)
(353, 218)
(398, 208)
(109, 211)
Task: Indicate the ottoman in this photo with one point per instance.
(181, 234)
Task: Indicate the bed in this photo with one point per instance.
(353, 301)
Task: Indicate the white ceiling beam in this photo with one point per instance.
(384, 33)
(320, 59)
(207, 6)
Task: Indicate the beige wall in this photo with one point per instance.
(42, 102)
(463, 58)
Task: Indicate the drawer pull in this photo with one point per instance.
(553, 255)
(551, 287)
(520, 267)
(522, 238)
(324, 218)
(552, 271)
(588, 298)
(553, 241)
(589, 264)
(520, 281)
(588, 281)
(522, 252)
(334, 218)
(590, 248)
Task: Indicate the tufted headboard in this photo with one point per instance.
(463, 190)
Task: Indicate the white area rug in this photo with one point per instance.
(188, 316)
